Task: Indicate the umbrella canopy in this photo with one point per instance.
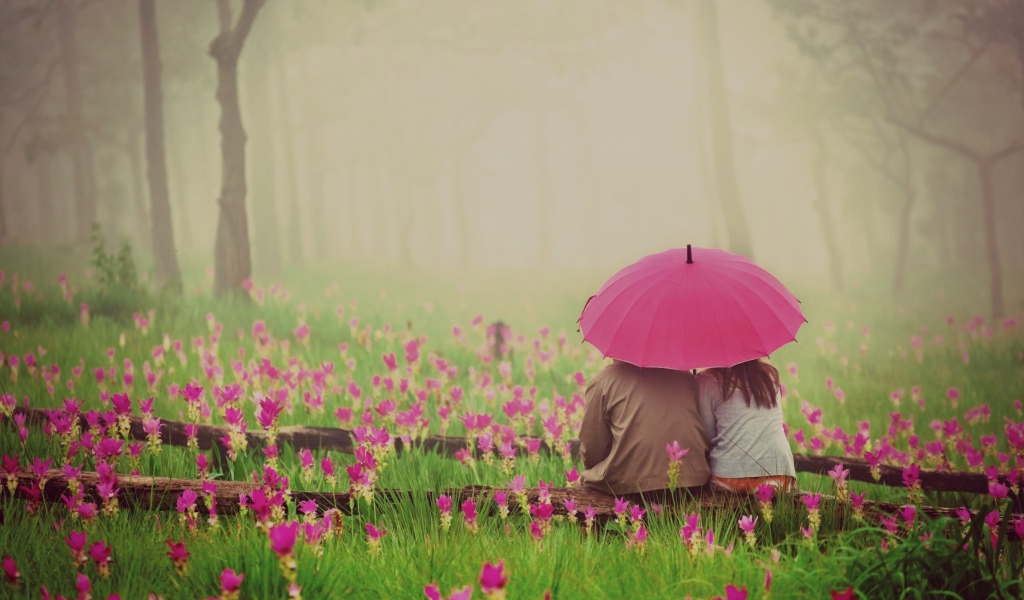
(691, 308)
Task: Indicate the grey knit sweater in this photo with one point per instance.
(745, 441)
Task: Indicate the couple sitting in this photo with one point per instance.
(729, 418)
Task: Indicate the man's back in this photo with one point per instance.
(631, 414)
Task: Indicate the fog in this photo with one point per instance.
(830, 140)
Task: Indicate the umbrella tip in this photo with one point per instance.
(689, 255)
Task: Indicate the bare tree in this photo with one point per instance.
(164, 254)
(81, 148)
(918, 60)
(232, 262)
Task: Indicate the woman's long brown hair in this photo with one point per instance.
(758, 380)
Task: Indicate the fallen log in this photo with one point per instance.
(161, 493)
(340, 440)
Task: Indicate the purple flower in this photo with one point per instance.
(282, 538)
(493, 577)
(542, 511)
(675, 453)
(230, 581)
(186, 500)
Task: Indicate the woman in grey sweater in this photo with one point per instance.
(740, 409)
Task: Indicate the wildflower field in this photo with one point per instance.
(456, 475)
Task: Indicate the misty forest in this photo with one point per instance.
(319, 297)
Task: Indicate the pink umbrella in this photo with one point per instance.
(687, 309)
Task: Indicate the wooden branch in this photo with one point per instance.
(161, 493)
(227, 46)
(938, 140)
(976, 53)
(172, 433)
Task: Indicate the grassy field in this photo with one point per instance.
(860, 358)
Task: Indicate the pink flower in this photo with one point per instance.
(857, 500)
(307, 507)
(493, 578)
(572, 476)
(965, 515)
(847, 594)
(373, 533)
(83, 586)
(230, 582)
(747, 524)
(640, 536)
(997, 490)
(911, 475)
(765, 492)
(839, 474)
(675, 453)
(434, 593)
(812, 501)
(327, 466)
(11, 571)
(1018, 528)
(469, 510)
(186, 500)
(444, 503)
(177, 553)
(536, 531)
(100, 552)
(282, 538)
(542, 511)
(908, 513)
(734, 593)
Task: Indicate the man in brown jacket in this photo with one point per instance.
(631, 414)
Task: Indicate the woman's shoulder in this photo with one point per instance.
(710, 388)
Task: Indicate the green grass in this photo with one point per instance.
(567, 562)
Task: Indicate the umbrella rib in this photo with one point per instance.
(618, 328)
(643, 357)
(754, 294)
(714, 309)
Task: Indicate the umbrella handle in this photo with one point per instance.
(689, 258)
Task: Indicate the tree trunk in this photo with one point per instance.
(232, 263)
(988, 205)
(141, 211)
(165, 256)
(821, 206)
(81, 149)
(266, 241)
(543, 193)
(49, 225)
(903, 239)
(3, 199)
(728, 191)
(293, 233)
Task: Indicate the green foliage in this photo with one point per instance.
(115, 273)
